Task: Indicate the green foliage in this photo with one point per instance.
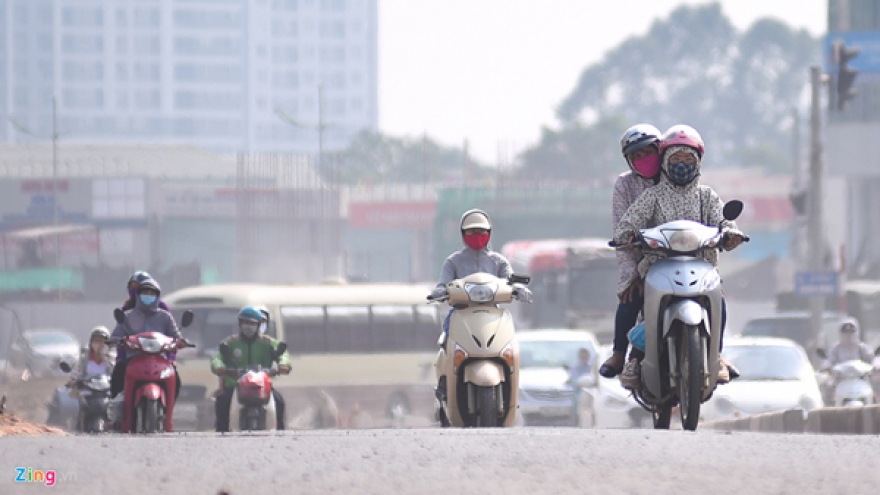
(737, 88)
(377, 158)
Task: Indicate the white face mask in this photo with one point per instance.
(248, 329)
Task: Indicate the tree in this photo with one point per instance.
(377, 158)
(694, 67)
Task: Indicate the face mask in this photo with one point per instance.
(249, 329)
(682, 173)
(647, 166)
(147, 299)
(263, 327)
(476, 241)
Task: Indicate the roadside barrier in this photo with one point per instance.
(861, 420)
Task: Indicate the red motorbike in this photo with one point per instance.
(150, 380)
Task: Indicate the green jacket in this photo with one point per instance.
(244, 354)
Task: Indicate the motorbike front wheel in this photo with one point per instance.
(487, 402)
(149, 412)
(690, 381)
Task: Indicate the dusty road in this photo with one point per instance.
(426, 461)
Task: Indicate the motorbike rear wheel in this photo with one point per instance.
(487, 402)
(691, 374)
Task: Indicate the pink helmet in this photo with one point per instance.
(682, 135)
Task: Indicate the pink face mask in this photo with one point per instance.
(647, 166)
(476, 241)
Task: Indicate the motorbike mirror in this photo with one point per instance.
(822, 354)
(64, 366)
(281, 349)
(119, 315)
(187, 318)
(732, 209)
(877, 351)
(518, 279)
(225, 352)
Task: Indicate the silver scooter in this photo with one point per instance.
(682, 311)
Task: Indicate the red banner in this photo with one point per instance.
(392, 215)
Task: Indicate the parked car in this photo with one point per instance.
(39, 351)
(775, 374)
(795, 325)
(546, 356)
(613, 405)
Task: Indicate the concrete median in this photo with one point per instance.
(845, 420)
(788, 421)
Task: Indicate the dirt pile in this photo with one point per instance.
(12, 425)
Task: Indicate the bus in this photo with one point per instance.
(370, 347)
(574, 283)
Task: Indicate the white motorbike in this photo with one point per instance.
(480, 361)
(682, 312)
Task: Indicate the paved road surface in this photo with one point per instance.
(425, 461)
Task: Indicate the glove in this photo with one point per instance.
(284, 369)
(732, 239)
(437, 293)
(220, 371)
(523, 294)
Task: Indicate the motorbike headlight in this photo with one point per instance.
(684, 241)
(711, 280)
(481, 292)
(150, 345)
(165, 373)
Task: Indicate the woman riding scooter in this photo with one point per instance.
(677, 196)
(474, 257)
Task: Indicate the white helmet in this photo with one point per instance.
(475, 219)
(638, 137)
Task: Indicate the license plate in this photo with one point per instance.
(555, 411)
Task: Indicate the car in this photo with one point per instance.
(795, 325)
(38, 352)
(613, 405)
(775, 375)
(546, 356)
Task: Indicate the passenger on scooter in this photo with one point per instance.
(249, 348)
(678, 195)
(133, 282)
(849, 346)
(95, 360)
(640, 147)
(474, 257)
(146, 316)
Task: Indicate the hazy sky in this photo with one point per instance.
(492, 71)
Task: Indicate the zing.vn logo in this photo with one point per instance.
(48, 477)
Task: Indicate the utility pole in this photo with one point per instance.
(815, 237)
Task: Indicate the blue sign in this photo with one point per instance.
(868, 42)
(816, 284)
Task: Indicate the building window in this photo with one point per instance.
(146, 45)
(82, 71)
(118, 198)
(82, 16)
(146, 72)
(82, 44)
(88, 99)
(146, 99)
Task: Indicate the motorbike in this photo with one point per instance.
(849, 381)
(150, 379)
(682, 317)
(253, 393)
(94, 399)
(480, 358)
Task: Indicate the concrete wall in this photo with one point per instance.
(843, 420)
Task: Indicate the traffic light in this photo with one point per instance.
(846, 75)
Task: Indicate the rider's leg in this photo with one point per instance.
(221, 409)
(624, 320)
(279, 409)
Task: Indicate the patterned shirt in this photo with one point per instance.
(667, 202)
(627, 188)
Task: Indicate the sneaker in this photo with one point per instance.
(613, 366)
(629, 377)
